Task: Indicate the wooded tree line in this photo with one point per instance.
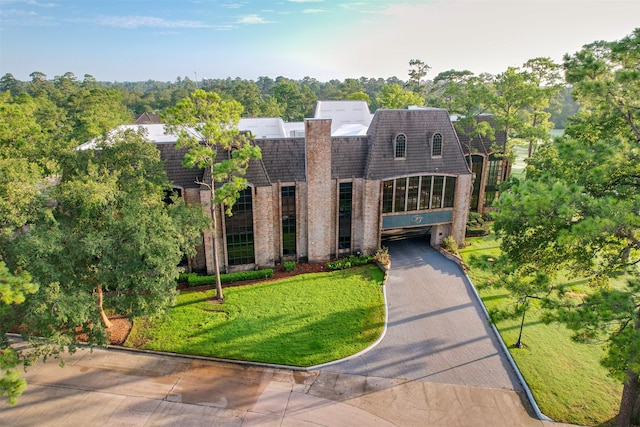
(293, 100)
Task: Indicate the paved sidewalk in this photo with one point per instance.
(122, 388)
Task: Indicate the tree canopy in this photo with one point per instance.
(579, 207)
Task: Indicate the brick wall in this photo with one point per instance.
(371, 218)
(265, 220)
(320, 190)
(461, 207)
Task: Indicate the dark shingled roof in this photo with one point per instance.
(418, 125)
(480, 144)
(283, 159)
(147, 118)
(178, 174)
(348, 156)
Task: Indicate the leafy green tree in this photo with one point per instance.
(579, 207)
(94, 111)
(393, 96)
(544, 75)
(104, 239)
(297, 101)
(13, 291)
(8, 83)
(207, 125)
(417, 72)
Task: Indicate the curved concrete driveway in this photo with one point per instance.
(438, 365)
(437, 331)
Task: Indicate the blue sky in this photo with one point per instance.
(131, 40)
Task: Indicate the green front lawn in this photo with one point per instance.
(565, 377)
(300, 321)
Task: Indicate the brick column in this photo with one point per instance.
(320, 190)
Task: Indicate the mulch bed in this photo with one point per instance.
(121, 326)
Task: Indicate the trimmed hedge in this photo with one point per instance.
(350, 261)
(192, 279)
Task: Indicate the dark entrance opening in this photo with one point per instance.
(422, 233)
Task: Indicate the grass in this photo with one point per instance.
(565, 377)
(300, 321)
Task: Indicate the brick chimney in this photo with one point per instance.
(319, 188)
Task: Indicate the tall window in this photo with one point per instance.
(491, 187)
(401, 188)
(476, 169)
(288, 220)
(436, 145)
(425, 192)
(449, 191)
(436, 198)
(344, 215)
(387, 196)
(400, 146)
(412, 193)
(239, 228)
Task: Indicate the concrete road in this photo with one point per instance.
(122, 388)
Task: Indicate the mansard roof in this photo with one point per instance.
(283, 159)
(179, 175)
(348, 157)
(419, 126)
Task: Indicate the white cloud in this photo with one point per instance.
(306, 1)
(314, 11)
(253, 19)
(28, 2)
(16, 12)
(131, 22)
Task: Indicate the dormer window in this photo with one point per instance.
(400, 146)
(436, 145)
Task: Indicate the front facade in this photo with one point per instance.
(319, 197)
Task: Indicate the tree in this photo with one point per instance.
(207, 126)
(13, 290)
(105, 238)
(394, 96)
(579, 208)
(417, 72)
(296, 101)
(544, 74)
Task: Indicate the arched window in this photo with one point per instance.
(400, 146)
(436, 145)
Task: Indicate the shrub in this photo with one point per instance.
(449, 244)
(184, 277)
(194, 280)
(348, 262)
(476, 225)
(289, 266)
(382, 256)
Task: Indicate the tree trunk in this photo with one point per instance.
(629, 396)
(216, 262)
(103, 315)
(628, 404)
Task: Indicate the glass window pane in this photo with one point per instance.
(401, 188)
(425, 192)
